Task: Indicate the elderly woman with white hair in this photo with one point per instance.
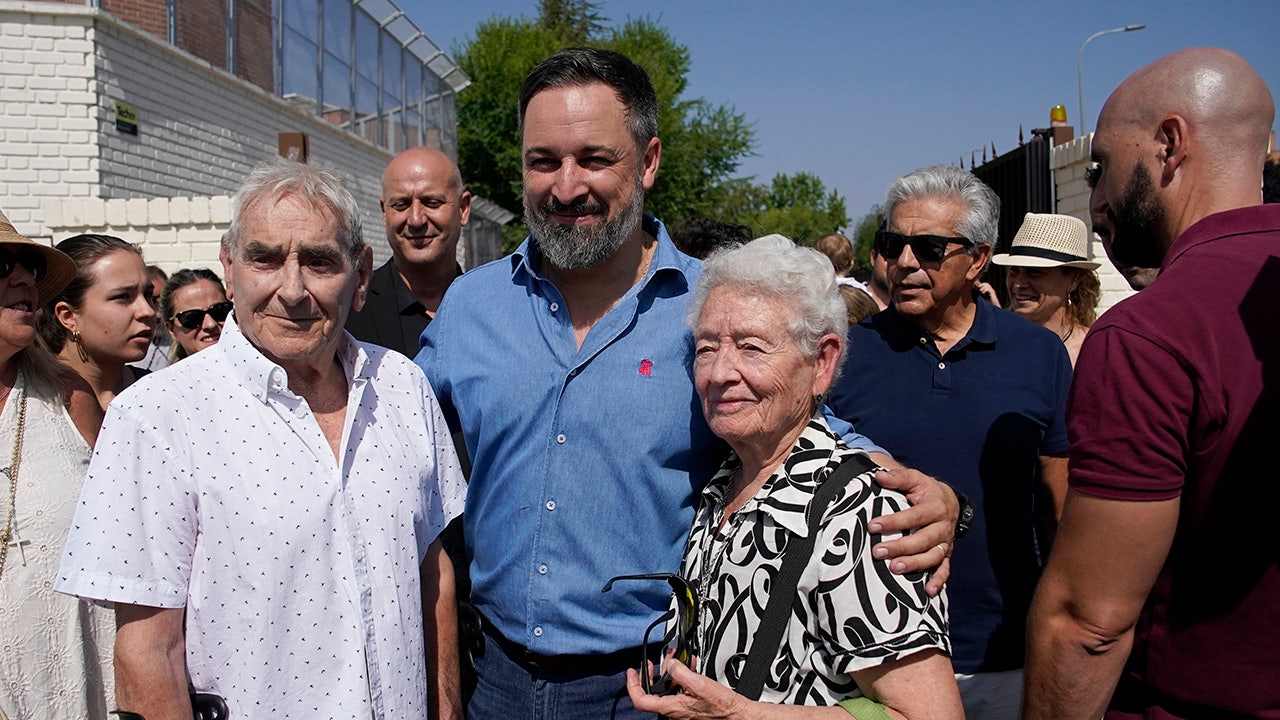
(850, 638)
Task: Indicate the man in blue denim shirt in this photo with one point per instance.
(567, 368)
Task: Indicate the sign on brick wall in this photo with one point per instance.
(126, 118)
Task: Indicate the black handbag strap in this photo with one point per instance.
(795, 558)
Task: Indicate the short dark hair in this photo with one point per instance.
(578, 66)
(698, 236)
(1271, 181)
(86, 251)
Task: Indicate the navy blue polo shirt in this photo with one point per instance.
(978, 418)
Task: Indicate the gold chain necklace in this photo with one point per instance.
(12, 473)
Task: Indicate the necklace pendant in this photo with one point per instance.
(20, 544)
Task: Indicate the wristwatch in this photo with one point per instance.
(967, 511)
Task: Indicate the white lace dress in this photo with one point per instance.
(55, 650)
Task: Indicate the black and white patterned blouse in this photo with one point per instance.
(851, 613)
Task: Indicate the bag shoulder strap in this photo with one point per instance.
(795, 558)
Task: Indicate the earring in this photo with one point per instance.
(79, 341)
(818, 400)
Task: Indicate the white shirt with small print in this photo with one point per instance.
(212, 488)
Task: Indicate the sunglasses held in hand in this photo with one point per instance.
(194, 318)
(683, 634)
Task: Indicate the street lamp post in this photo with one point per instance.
(1084, 125)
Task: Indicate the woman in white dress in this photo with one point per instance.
(55, 651)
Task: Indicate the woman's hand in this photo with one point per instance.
(701, 697)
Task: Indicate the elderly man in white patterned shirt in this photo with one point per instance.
(264, 515)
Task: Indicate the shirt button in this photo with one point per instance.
(542, 569)
(923, 340)
(942, 366)
(551, 505)
(555, 307)
(560, 438)
(537, 632)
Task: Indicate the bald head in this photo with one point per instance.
(420, 161)
(1181, 139)
(1226, 105)
(424, 207)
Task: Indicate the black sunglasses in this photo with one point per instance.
(653, 679)
(34, 261)
(926, 248)
(194, 318)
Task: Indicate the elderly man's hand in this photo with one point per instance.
(931, 522)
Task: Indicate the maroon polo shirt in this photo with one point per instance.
(1177, 395)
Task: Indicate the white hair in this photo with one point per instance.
(774, 265)
(981, 220)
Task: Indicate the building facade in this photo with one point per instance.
(140, 117)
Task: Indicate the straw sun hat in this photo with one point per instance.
(1049, 241)
(61, 270)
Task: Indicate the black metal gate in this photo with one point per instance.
(1022, 180)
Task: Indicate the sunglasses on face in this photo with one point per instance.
(680, 641)
(926, 248)
(194, 318)
(33, 261)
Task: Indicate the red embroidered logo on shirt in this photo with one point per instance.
(646, 367)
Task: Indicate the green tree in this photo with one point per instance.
(864, 235)
(574, 21)
(798, 206)
(702, 143)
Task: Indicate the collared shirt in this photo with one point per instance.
(978, 417)
(393, 316)
(586, 462)
(851, 614)
(1176, 397)
(212, 487)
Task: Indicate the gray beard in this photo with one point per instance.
(574, 247)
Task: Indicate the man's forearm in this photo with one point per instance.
(440, 634)
(1071, 671)
(150, 663)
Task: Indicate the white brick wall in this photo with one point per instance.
(47, 88)
(174, 232)
(65, 169)
(1068, 162)
(62, 69)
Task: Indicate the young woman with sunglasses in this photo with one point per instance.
(194, 306)
(103, 320)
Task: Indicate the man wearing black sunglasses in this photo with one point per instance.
(964, 391)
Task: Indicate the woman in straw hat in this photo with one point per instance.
(57, 658)
(1050, 279)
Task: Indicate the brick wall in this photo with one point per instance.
(48, 99)
(148, 15)
(201, 131)
(64, 168)
(255, 52)
(202, 30)
(174, 232)
(1068, 162)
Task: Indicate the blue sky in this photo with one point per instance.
(861, 92)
